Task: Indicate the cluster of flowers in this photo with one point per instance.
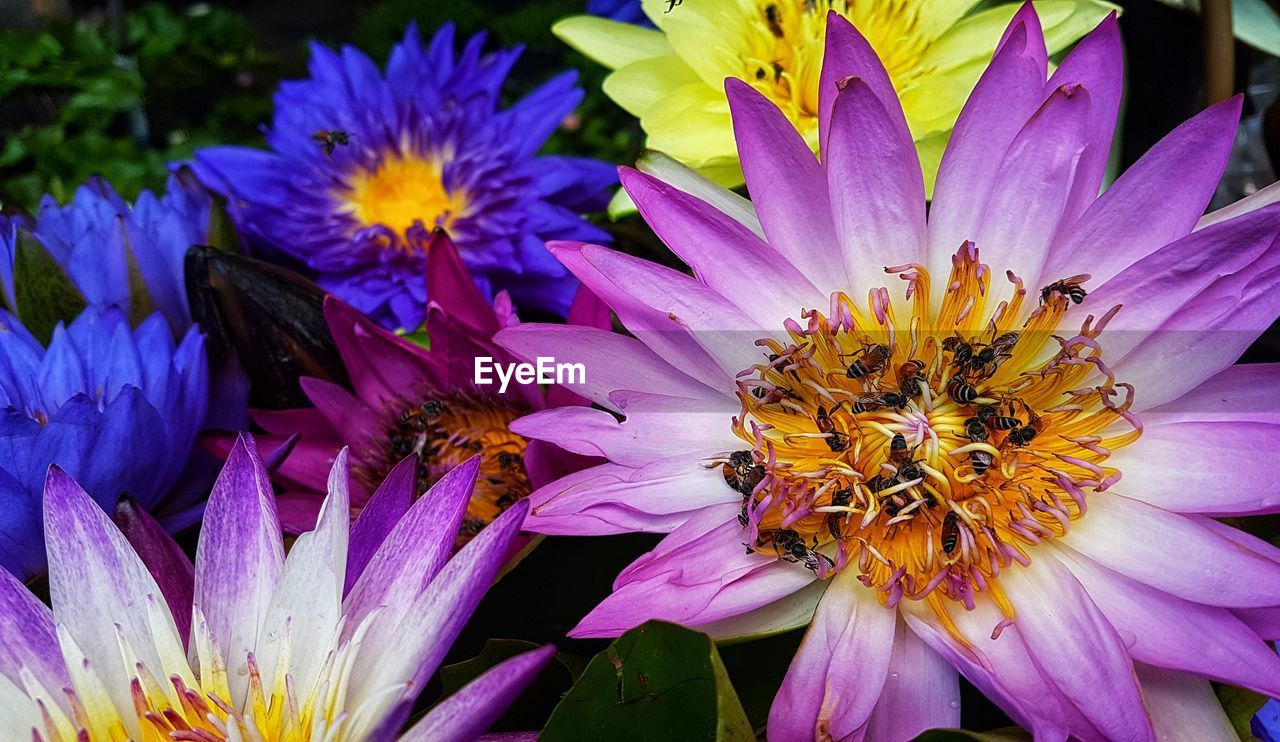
(926, 393)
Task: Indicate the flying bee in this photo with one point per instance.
(332, 138)
(961, 390)
(790, 547)
(910, 377)
(950, 533)
(1068, 287)
(837, 440)
(961, 350)
(774, 19)
(671, 5)
(871, 358)
(841, 498)
(742, 473)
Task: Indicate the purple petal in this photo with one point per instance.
(470, 711)
(1158, 628)
(239, 558)
(1007, 94)
(1150, 545)
(27, 637)
(1264, 197)
(677, 587)
(835, 680)
(381, 365)
(450, 284)
(876, 186)
(615, 361)
(847, 54)
(612, 498)
(1183, 706)
(414, 551)
(723, 254)
(100, 590)
(1096, 63)
(922, 691)
(167, 562)
(379, 517)
(788, 187)
(1156, 201)
(1033, 183)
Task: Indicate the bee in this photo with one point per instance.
(875, 400)
(910, 377)
(742, 473)
(671, 5)
(1023, 435)
(950, 533)
(508, 461)
(992, 417)
(841, 498)
(790, 547)
(773, 18)
(1068, 287)
(961, 390)
(975, 429)
(837, 441)
(903, 459)
(960, 349)
(986, 360)
(331, 138)
(873, 358)
(981, 461)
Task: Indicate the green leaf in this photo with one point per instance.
(43, 293)
(1007, 734)
(657, 681)
(1241, 706)
(496, 651)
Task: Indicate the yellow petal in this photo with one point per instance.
(930, 150)
(691, 125)
(639, 85)
(704, 34)
(973, 40)
(611, 43)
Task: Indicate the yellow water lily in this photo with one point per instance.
(672, 77)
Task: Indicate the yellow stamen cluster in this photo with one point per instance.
(927, 451)
(447, 431)
(400, 191)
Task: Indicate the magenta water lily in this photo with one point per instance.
(278, 649)
(410, 400)
(364, 164)
(965, 440)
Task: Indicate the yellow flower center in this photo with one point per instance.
(446, 432)
(401, 191)
(782, 48)
(928, 452)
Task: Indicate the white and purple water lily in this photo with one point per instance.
(985, 438)
(332, 642)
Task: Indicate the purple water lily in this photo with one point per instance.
(987, 438)
(266, 646)
(363, 165)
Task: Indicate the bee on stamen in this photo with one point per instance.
(961, 390)
(841, 498)
(950, 533)
(902, 459)
(773, 18)
(871, 359)
(837, 440)
(1068, 287)
(742, 473)
(910, 378)
(790, 547)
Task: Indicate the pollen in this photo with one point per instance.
(401, 192)
(927, 450)
(444, 432)
(782, 46)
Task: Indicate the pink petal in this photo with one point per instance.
(723, 254)
(1183, 706)
(1007, 94)
(921, 691)
(875, 183)
(835, 680)
(614, 361)
(653, 429)
(788, 187)
(361, 425)
(847, 54)
(612, 498)
(678, 587)
(1151, 545)
(1033, 184)
(1156, 201)
(1157, 629)
(450, 284)
(381, 365)
(1097, 64)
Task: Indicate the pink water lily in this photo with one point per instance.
(984, 438)
(277, 650)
